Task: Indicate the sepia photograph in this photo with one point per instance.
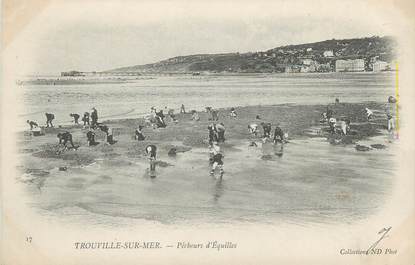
(141, 132)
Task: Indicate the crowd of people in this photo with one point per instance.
(215, 130)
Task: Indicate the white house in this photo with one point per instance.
(328, 54)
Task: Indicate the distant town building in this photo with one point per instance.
(72, 73)
(308, 68)
(293, 69)
(309, 49)
(307, 61)
(356, 65)
(380, 66)
(328, 54)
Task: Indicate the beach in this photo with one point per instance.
(316, 179)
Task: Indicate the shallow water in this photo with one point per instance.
(138, 96)
(312, 182)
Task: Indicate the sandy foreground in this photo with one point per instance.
(93, 175)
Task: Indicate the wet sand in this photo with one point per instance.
(313, 181)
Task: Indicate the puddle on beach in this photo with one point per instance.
(308, 181)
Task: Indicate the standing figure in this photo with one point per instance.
(220, 129)
(213, 137)
(49, 118)
(151, 151)
(215, 115)
(90, 135)
(94, 117)
(253, 128)
(332, 124)
(216, 159)
(75, 117)
(391, 123)
(139, 133)
(266, 126)
(233, 113)
(85, 118)
(278, 135)
(182, 109)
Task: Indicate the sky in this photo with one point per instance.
(95, 36)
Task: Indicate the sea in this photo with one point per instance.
(136, 96)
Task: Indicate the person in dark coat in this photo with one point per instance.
(32, 124)
(64, 138)
(278, 135)
(266, 126)
(139, 134)
(85, 118)
(49, 118)
(94, 117)
(213, 137)
(75, 117)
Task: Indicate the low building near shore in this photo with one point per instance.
(356, 65)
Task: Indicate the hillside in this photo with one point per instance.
(323, 54)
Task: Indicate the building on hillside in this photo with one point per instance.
(379, 66)
(293, 68)
(328, 54)
(307, 61)
(356, 65)
(309, 49)
(308, 68)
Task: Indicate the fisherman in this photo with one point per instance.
(85, 118)
(216, 159)
(94, 117)
(49, 118)
(64, 138)
(195, 116)
(160, 119)
(278, 134)
(215, 115)
(32, 124)
(182, 109)
(253, 128)
(151, 151)
(172, 116)
(90, 135)
(213, 137)
(369, 114)
(139, 133)
(233, 113)
(343, 127)
(332, 124)
(337, 101)
(220, 129)
(323, 117)
(266, 126)
(109, 132)
(110, 136)
(75, 117)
